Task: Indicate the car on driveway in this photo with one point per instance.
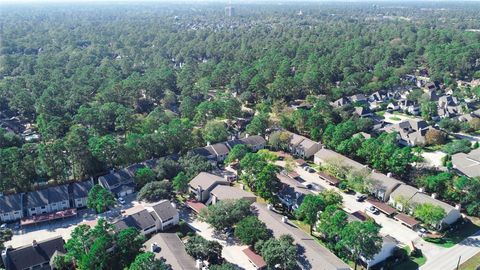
(361, 197)
(121, 200)
(372, 209)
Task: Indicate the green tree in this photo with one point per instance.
(215, 131)
(250, 230)
(430, 214)
(258, 125)
(100, 199)
(147, 261)
(331, 222)
(200, 248)
(308, 210)
(155, 191)
(144, 176)
(225, 214)
(237, 153)
(361, 239)
(279, 254)
(128, 243)
(180, 183)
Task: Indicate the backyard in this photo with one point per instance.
(456, 234)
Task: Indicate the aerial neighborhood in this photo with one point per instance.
(214, 136)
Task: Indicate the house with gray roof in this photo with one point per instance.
(382, 185)
(363, 111)
(120, 183)
(143, 221)
(202, 185)
(411, 132)
(11, 207)
(255, 142)
(405, 198)
(80, 193)
(222, 192)
(36, 255)
(340, 102)
(467, 164)
(325, 156)
(302, 146)
(47, 200)
(172, 250)
(165, 214)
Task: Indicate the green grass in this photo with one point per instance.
(457, 233)
(411, 263)
(394, 118)
(472, 264)
(380, 113)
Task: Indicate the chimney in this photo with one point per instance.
(389, 174)
(373, 171)
(421, 189)
(173, 205)
(246, 135)
(458, 206)
(208, 143)
(199, 193)
(434, 195)
(34, 243)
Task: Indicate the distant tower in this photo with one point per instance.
(229, 10)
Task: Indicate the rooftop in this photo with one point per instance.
(10, 203)
(468, 164)
(227, 192)
(206, 181)
(165, 210)
(30, 255)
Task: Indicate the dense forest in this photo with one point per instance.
(106, 86)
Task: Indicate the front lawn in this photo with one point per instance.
(456, 234)
(472, 264)
(410, 261)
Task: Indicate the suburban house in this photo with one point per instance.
(132, 169)
(119, 183)
(411, 196)
(410, 132)
(291, 193)
(340, 102)
(166, 215)
(325, 156)
(47, 200)
(363, 111)
(382, 185)
(389, 245)
(203, 184)
(449, 106)
(302, 146)
(143, 221)
(80, 193)
(11, 207)
(358, 98)
(218, 152)
(467, 164)
(222, 192)
(36, 255)
(170, 248)
(161, 216)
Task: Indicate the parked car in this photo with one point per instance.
(372, 209)
(306, 168)
(121, 200)
(308, 185)
(361, 197)
(3, 226)
(422, 232)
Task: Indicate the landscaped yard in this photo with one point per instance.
(472, 264)
(457, 234)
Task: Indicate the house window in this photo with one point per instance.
(43, 207)
(32, 209)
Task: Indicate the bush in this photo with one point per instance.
(457, 147)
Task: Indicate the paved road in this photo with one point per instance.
(389, 225)
(313, 255)
(447, 259)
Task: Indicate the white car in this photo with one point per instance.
(372, 209)
(121, 200)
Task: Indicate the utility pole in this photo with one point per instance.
(458, 263)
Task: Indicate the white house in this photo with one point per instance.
(80, 193)
(202, 185)
(11, 207)
(47, 200)
(166, 215)
(388, 247)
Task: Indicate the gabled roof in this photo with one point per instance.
(254, 140)
(116, 178)
(10, 203)
(81, 189)
(206, 181)
(231, 193)
(256, 259)
(468, 164)
(28, 256)
(165, 210)
(140, 220)
(220, 148)
(206, 151)
(382, 181)
(326, 155)
(47, 196)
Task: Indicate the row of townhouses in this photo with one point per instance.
(44, 201)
